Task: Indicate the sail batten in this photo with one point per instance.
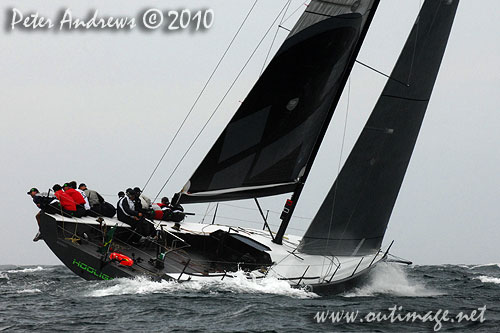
(354, 216)
(269, 140)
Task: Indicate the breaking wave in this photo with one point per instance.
(29, 291)
(485, 265)
(238, 284)
(488, 279)
(392, 280)
(26, 270)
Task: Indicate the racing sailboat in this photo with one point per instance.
(268, 148)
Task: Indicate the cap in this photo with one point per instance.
(57, 187)
(32, 189)
(82, 184)
(66, 185)
(137, 190)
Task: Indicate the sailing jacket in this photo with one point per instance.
(75, 195)
(87, 204)
(126, 209)
(94, 197)
(43, 199)
(66, 201)
(145, 201)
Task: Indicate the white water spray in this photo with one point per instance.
(238, 284)
(391, 279)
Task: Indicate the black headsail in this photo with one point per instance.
(269, 143)
(353, 218)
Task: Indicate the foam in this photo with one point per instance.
(26, 270)
(239, 284)
(391, 279)
(485, 265)
(29, 291)
(488, 279)
(4, 276)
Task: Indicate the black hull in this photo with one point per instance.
(81, 256)
(342, 286)
(83, 259)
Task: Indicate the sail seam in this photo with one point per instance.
(343, 239)
(326, 15)
(224, 191)
(407, 98)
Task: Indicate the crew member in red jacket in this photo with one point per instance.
(77, 199)
(67, 203)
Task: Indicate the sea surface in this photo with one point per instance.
(51, 298)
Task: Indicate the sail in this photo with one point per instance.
(267, 144)
(353, 218)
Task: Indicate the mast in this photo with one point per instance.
(290, 204)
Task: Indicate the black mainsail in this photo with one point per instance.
(271, 141)
(354, 216)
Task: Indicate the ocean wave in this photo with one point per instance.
(26, 270)
(488, 279)
(29, 291)
(485, 265)
(238, 284)
(391, 279)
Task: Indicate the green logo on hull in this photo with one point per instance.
(91, 270)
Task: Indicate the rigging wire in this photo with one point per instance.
(200, 94)
(206, 212)
(220, 103)
(295, 11)
(382, 73)
(338, 169)
(270, 211)
(274, 38)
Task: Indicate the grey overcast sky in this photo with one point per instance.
(100, 107)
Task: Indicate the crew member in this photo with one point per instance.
(67, 203)
(145, 201)
(48, 204)
(95, 200)
(77, 198)
(128, 213)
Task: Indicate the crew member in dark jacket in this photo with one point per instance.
(128, 213)
(45, 202)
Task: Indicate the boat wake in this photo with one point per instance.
(239, 284)
(391, 279)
